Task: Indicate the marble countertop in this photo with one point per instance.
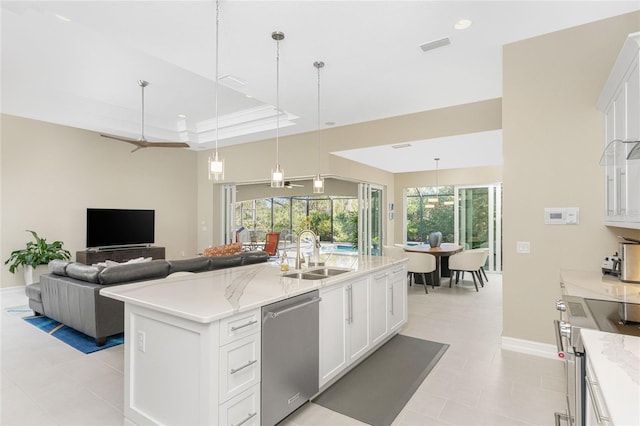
(209, 296)
(615, 362)
(594, 285)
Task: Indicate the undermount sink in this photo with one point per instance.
(316, 274)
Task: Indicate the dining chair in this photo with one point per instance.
(467, 261)
(421, 263)
(486, 256)
(271, 243)
(393, 251)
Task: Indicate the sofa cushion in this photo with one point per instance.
(251, 257)
(134, 272)
(223, 250)
(196, 264)
(220, 262)
(83, 272)
(58, 267)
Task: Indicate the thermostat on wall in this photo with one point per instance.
(561, 216)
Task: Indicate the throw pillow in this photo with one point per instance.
(223, 250)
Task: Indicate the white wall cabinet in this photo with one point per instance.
(620, 102)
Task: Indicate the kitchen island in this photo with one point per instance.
(192, 342)
(594, 285)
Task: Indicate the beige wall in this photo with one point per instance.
(552, 141)
(51, 174)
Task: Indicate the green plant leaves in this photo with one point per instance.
(37, 253)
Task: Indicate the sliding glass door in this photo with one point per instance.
(478, 221)
(369, 219)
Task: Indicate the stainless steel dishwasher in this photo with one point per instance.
(290, 350)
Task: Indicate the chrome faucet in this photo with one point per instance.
(316, 248)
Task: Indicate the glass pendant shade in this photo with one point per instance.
(318, 184)
(216, 167)
(277, 177)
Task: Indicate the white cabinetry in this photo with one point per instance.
(357, 316)
(213, 369)
(398, 298)
(379, 317)
(333, 332)
(344, 326)
(596, 413)
(620, 102)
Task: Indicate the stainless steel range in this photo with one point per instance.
(577, 313)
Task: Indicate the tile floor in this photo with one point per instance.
(45, 382)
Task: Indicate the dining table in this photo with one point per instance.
(441, 253)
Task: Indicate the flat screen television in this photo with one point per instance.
(120, 227)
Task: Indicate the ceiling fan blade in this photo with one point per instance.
(122, 139)
(167, 144)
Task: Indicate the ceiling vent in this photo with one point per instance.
(232, 81)
(435, 44)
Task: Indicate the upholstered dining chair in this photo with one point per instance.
(393, 251)
(486, 256)
(421, 263)
(271, 243)
(467, 261)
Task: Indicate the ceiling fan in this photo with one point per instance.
(142, 142)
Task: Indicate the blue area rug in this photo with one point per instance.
(71, 337)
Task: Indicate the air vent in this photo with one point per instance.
(435, 44)
(232, 81)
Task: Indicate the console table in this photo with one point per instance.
(89, 257)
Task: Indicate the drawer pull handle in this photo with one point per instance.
(248, 364)
(244, 325)
(249, 417)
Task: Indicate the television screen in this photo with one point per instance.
(120, 227)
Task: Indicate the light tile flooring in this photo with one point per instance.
(45, 382)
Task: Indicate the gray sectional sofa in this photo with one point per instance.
(70, 292)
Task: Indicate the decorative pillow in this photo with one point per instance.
(224, 250)
(58, 267)
(83, 272)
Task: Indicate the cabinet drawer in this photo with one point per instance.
(239, 366)
(243, 409)
(239, 326)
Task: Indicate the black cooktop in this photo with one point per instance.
(606, 315)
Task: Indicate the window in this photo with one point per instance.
(430, 209)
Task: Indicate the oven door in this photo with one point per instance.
(562, 330)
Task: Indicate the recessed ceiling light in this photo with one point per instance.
(462, 24)
(63, 18)
(401, 145)
(182, 116)
(248, 96)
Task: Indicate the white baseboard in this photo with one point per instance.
(529, 347)
(12, 290)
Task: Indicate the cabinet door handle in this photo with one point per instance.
(246, 419)
(248, 364)
(350, 302)
(391, 291)
(244, 325)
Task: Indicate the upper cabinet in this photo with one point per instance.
(620, 103)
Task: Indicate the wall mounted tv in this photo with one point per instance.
(120, 228)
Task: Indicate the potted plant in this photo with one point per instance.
(36, 253)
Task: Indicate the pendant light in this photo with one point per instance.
(216, 164)
(318, 181)
(436, 198)
(277, 174)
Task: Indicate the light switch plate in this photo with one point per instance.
(523, 247)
